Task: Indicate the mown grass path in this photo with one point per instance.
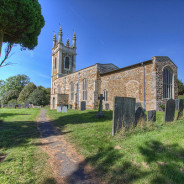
(68, 166)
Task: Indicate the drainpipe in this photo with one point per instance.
(144, 86)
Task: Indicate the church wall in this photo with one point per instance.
(129, 83)
(90, 74)
(161, 63)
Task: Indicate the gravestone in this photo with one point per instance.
(58, 108)
(123, 113)
(169, 110)
(137, 105)
(100, 114)
(18, 106)
(12, 105)
(26, 105)
(151, 115)
(106, 106)
(139, 115)
(5, 105)
(69, 106)
(176, 104)
(64, 109)
(180, 109)
(31, 106)
(83, 106)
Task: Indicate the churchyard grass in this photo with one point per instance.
(150, 154)
(21, 158)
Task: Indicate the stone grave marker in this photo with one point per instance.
(137, 105)
(176, 104)
(106, 106)
(58, 108)
(5, 105)
(100, 114)
(26, 105)
(31, 105)
(12, 105)
(139, 115)
(169, 110)
(83, 106)
(180, 109)
(151, 115)
(123, 113)
(18, 106)
(64, 109)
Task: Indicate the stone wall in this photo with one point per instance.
(128, 82)
(161, 63)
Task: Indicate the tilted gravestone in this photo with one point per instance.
(137, 105)
(83, 106)
(106, 106)
(139, 115)
(58, 108)
(169, 110)
(123, 113)
(151, 115)
(180, 109)
(176, 104)
(100, 113)
(64, 109)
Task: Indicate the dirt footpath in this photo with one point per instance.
(68, 166)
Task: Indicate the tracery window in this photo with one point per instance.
(67, 62)
(85, 88)
(72, 91)
(105, 94)
(167, 83)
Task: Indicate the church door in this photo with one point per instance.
(53, 103)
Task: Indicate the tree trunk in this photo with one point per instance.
(1, 42)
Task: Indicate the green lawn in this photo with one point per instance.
(152, 154)
(21, 159)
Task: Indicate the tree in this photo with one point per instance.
(9, 95)
(37, 97)
(21, 22)
(47, 93)
(27, 90)
(16, 82)
(180, 87)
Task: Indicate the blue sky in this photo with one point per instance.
(122, 32)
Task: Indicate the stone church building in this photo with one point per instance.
(150, 82)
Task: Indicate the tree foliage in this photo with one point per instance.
(21, 22)
(38, 97)
(27, 90)
(9, 95)
(180, 87)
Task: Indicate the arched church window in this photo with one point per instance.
(59, 89)
(105, 94)
(72, 91)
(55, 63)
(167, 83)
(67, 62)
(85, 88)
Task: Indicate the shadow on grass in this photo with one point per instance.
(168, 159)
(5, 115)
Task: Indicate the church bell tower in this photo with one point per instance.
(63, 56)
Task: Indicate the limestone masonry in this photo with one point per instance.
(151, 82)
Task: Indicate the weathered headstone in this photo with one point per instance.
(106, 106)
(123, 113)
(12, 105)
(100, 114)
(64, 109)
(5, 105)
(176, 104)
(169, 110)
(18, 106)
(26, 105)
(83, 106)
(139, 115)
(180, 109)
(137, 105)
(151, 115)
(31, 105)
(58, 108)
